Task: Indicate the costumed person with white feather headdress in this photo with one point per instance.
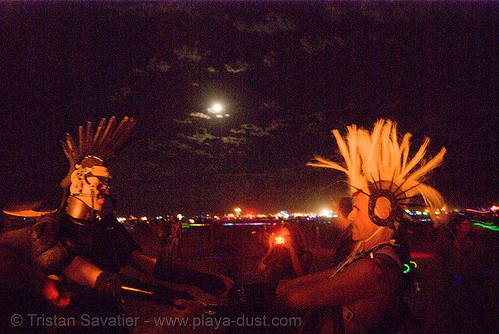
(364, 293)
(85, 248)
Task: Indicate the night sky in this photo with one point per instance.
(285, 73)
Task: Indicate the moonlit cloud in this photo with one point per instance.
(204, 138)
(254, 130)
(180, 145)
(200, 115)
(200, 138)
(189, 53)
(273, 22)
(204, 153)
(251, 127)
(233, 141)
(189, 149)
(157, 65)
(237, 66)
(186, 121)
(243, 131)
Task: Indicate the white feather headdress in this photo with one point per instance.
(378, 157)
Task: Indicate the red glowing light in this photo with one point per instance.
(279, 240)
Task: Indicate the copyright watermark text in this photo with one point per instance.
(85, 320)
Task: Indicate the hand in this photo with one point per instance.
(222, 297)
(288, 242)
(53, 295)
(219, 298)
(228, 285)
(186, 308)
(271, 242)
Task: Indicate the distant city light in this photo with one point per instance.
(326, 213)
(477, 211)
(250, 217)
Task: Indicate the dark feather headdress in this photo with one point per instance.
(108, 139)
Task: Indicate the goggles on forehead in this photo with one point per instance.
(104, 180)
(100, 172)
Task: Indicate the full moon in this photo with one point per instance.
(216, 108)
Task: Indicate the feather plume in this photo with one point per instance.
(377, 157)
(107, 140)
(323, 163)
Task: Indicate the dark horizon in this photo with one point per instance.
(287, 73)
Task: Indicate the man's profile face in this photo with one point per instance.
(343, 221)
(362, 225)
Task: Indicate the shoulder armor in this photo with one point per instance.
(50, 250)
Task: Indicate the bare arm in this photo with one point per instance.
(285, 287)
(355, 282)
(271, 244)
(261, 265)
(298, 264)
(143, 263)
(82, 271)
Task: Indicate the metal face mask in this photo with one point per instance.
(86, 160)
(95, 176)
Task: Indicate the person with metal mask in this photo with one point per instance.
(82, 248)
(89, 189)
(365, 293)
